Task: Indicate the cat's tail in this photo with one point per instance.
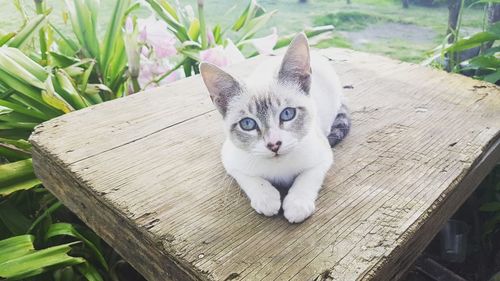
(340, 127)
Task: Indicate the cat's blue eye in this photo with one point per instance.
(287, 114)
(248, 124)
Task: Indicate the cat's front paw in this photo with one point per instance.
(297, 208)
(267, 202)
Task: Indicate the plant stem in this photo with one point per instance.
(41, 33)
(135, 85)
(203, 28)
(177, 66)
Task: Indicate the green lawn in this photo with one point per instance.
(378, 26)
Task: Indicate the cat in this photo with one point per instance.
(280, 125)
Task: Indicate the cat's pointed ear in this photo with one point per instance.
(296, 64)
(221, 86)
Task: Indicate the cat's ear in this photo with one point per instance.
(296, 64)
(221, 86)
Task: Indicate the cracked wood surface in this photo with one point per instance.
(144, 173)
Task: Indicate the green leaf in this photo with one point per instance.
(69, 42)
(67, 86)
(473, 41)
(490, 207)
(217, 32)
(18, 186)
(169, 9)
(61, 60)
(14, 172)
(58, 229)
(113, 34)
(492, 77)
(13, 219)
(34, 262)
(54, 207)
(238, 24)
(25, 62)
(27, 31)
(487, 62)
(83, 15)
(255, 25)
(5, 38)
(15, 247)
(89, 272)
(24, 110)
(490, 225)
(172, 23)
(194, 29)
(54, 99)
(21, 73)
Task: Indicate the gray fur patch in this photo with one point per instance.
(298, 125)
(340, 127)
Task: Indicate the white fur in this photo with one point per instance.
(306, 161)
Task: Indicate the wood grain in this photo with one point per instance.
(144, 173)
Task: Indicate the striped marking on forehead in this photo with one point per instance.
(263, 105)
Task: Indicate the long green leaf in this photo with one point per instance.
(54, 207)
(58, 229)
(15, 172)
(24, 34)
(66, 85)
(5, 38)
(36, 262)
(89, 272)
(24, 110)
(27, 63)
(255, 25)
(13, 219)
(52, 98)
(114, 33)
(16, 246)
(173, 25)
(21, 73)
(83, 17)
(18, 186)
(475, 40)
(31, 95)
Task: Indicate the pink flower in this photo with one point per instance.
(222, 56)
(152, 70)
(156, 34)
(265, 45)
(215, 55)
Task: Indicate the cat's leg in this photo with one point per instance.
(340, 127)
(264, 198)
(299, 203)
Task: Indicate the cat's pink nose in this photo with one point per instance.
(274, 147)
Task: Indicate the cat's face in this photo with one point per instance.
(272, 120)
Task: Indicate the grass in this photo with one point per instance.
(422, 28)
(293, 16)
(337, 40)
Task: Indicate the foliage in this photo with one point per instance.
(21, 260)
(475, 55)
(37, 84)
(46, 72)
(197, 41)
(492, 209)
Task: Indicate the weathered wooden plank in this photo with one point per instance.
(145, 174)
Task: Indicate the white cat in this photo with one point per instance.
(279, 126)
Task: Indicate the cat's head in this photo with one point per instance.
(266, 121)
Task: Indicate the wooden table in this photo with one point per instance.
(144, 173)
